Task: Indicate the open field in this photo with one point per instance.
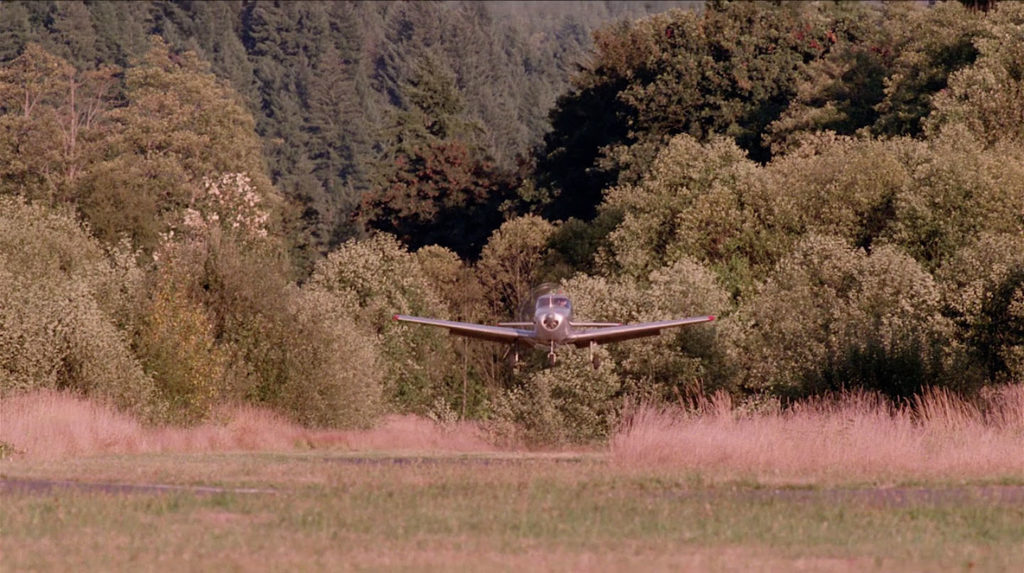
(671, 491)
(318, 510)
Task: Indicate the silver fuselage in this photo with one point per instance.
(552, 324)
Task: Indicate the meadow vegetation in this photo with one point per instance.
(854, 438)
(221, 205)
(833, 485)
(536, 514)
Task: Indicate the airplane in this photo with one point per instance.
(547, 323)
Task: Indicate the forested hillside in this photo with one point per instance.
(340, 91)
(204, 202)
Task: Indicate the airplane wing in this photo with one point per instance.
(629, 331)
(482, 331)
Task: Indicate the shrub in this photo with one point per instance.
(223, 322)
(371, 280)
(61, 300)
(983, 290)
(570, 403)
(177, 344)
(834, 317)
(326, 370)
(677, 361)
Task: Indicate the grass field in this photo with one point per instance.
(671, 492)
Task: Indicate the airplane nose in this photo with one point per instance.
(551, 321)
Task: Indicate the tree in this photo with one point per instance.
(180, 125)
(731, 70)
(515, 260)
(73, 35)
(960, 188)
(30, 93)
(930, 45)
(52, 118)
(16, 31)
(439, 194)
(702, 201)
(882, 74)
(988, 96)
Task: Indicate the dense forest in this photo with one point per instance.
(209, 202)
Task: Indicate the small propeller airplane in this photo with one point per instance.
(550, 325)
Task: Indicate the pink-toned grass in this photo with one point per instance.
(854, 437)
(53, 425)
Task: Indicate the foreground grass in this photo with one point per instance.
(852, 484)
(336, 511)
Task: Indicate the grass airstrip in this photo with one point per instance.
(848, 487)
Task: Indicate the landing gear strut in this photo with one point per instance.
(551, 355)
(594, 358)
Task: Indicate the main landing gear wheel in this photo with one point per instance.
(596, 361)
(551, 359)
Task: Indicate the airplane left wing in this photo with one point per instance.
(482, 331)
(630, 331)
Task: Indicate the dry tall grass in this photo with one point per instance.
(854, 437)
(857, 437)
(53, 425)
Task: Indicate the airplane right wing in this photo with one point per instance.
(630, 331)
(471, 330)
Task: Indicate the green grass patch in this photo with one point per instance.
(500, 513)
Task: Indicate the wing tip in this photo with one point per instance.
(711, 318)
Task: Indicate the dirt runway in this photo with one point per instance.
(898, 496)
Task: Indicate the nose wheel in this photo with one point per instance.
(551, 355)
(513, 357)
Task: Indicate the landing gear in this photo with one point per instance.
(551, 355)
(513, 357)
(594, 358)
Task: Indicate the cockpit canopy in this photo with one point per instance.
(559, 301)
(529, 305)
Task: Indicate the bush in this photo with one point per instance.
(223, 322)
(570, 403)
(677, 361)
(327, 369)
(370, 281)
(833, 317)
(177, 343)
(983, 291)
(62, 299)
